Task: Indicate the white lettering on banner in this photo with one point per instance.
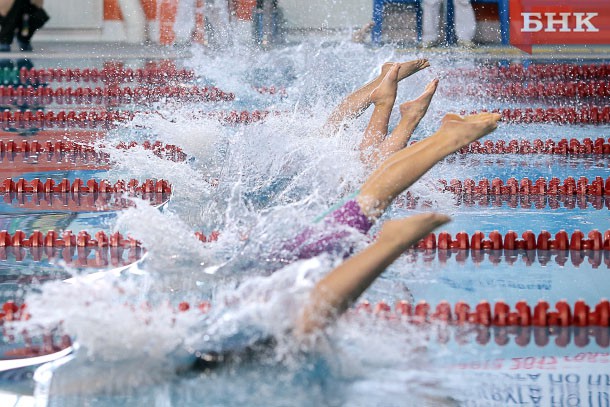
(527, 22)
(532, 22)
(580, 22)
(563, 21)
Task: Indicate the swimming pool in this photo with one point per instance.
(266, 181)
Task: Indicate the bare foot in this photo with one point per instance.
(406, 68)
(385, 93)
(465, 130)
(414, 110)
(468, 118)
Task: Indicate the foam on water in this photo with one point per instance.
(110, 317)
(171, 244)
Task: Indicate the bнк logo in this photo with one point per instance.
(534, 22)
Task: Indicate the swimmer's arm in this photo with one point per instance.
(341, 287)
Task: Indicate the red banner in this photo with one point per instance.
(558, 22)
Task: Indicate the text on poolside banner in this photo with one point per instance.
(559, 22)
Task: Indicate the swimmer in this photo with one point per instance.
(396, 174)
(340, 288)
(335, 292)
(330, 297)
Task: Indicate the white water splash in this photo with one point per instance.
(110, 318)
(274, 178)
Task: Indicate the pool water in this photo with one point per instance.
(260, 184)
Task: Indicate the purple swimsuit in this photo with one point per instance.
(312, 242)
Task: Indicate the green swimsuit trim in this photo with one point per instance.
(337, 205)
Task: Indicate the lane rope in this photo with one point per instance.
(547, 89)
(41, 119)
(500, 315)
(61, 149)
(525, 186)
(562, 146)
(558, 115)
(78, 186)
(519, 72)
(114, 95)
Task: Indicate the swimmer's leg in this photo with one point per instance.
(428, 142)
(403, 168)
(396, 174)
(383, 97)
(341, 287)
(357, 102)
(411, 114)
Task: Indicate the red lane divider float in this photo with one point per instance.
(594, 258)
(580, 315)
(109, 95)
(483, 335)
(540, 71)
(523, 335)
(54, 239)
(167, 151)
(563, 246)
(76, 249)
(19, 158)
(48, 119)
(594, 241)
(44, 344)
(81, 196)
(547, 89)
(151, 75)
(10, 147)
(75, 256)
(525, 186)
(48, 345)
(272, 90)
(77, 202)
(41, 119)
(243, 117)
(542, 315)
(91, 186)
(30, 133)
(562, 336)
(559, 115)
(569, 202)
(538, 146)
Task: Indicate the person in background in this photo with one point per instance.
(20, 18)
(465, 23)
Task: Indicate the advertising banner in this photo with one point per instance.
(564, 22)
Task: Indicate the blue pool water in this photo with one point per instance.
(273, 179)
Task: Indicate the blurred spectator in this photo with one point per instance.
(360, 35)
(465, 23)
(21, 18)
